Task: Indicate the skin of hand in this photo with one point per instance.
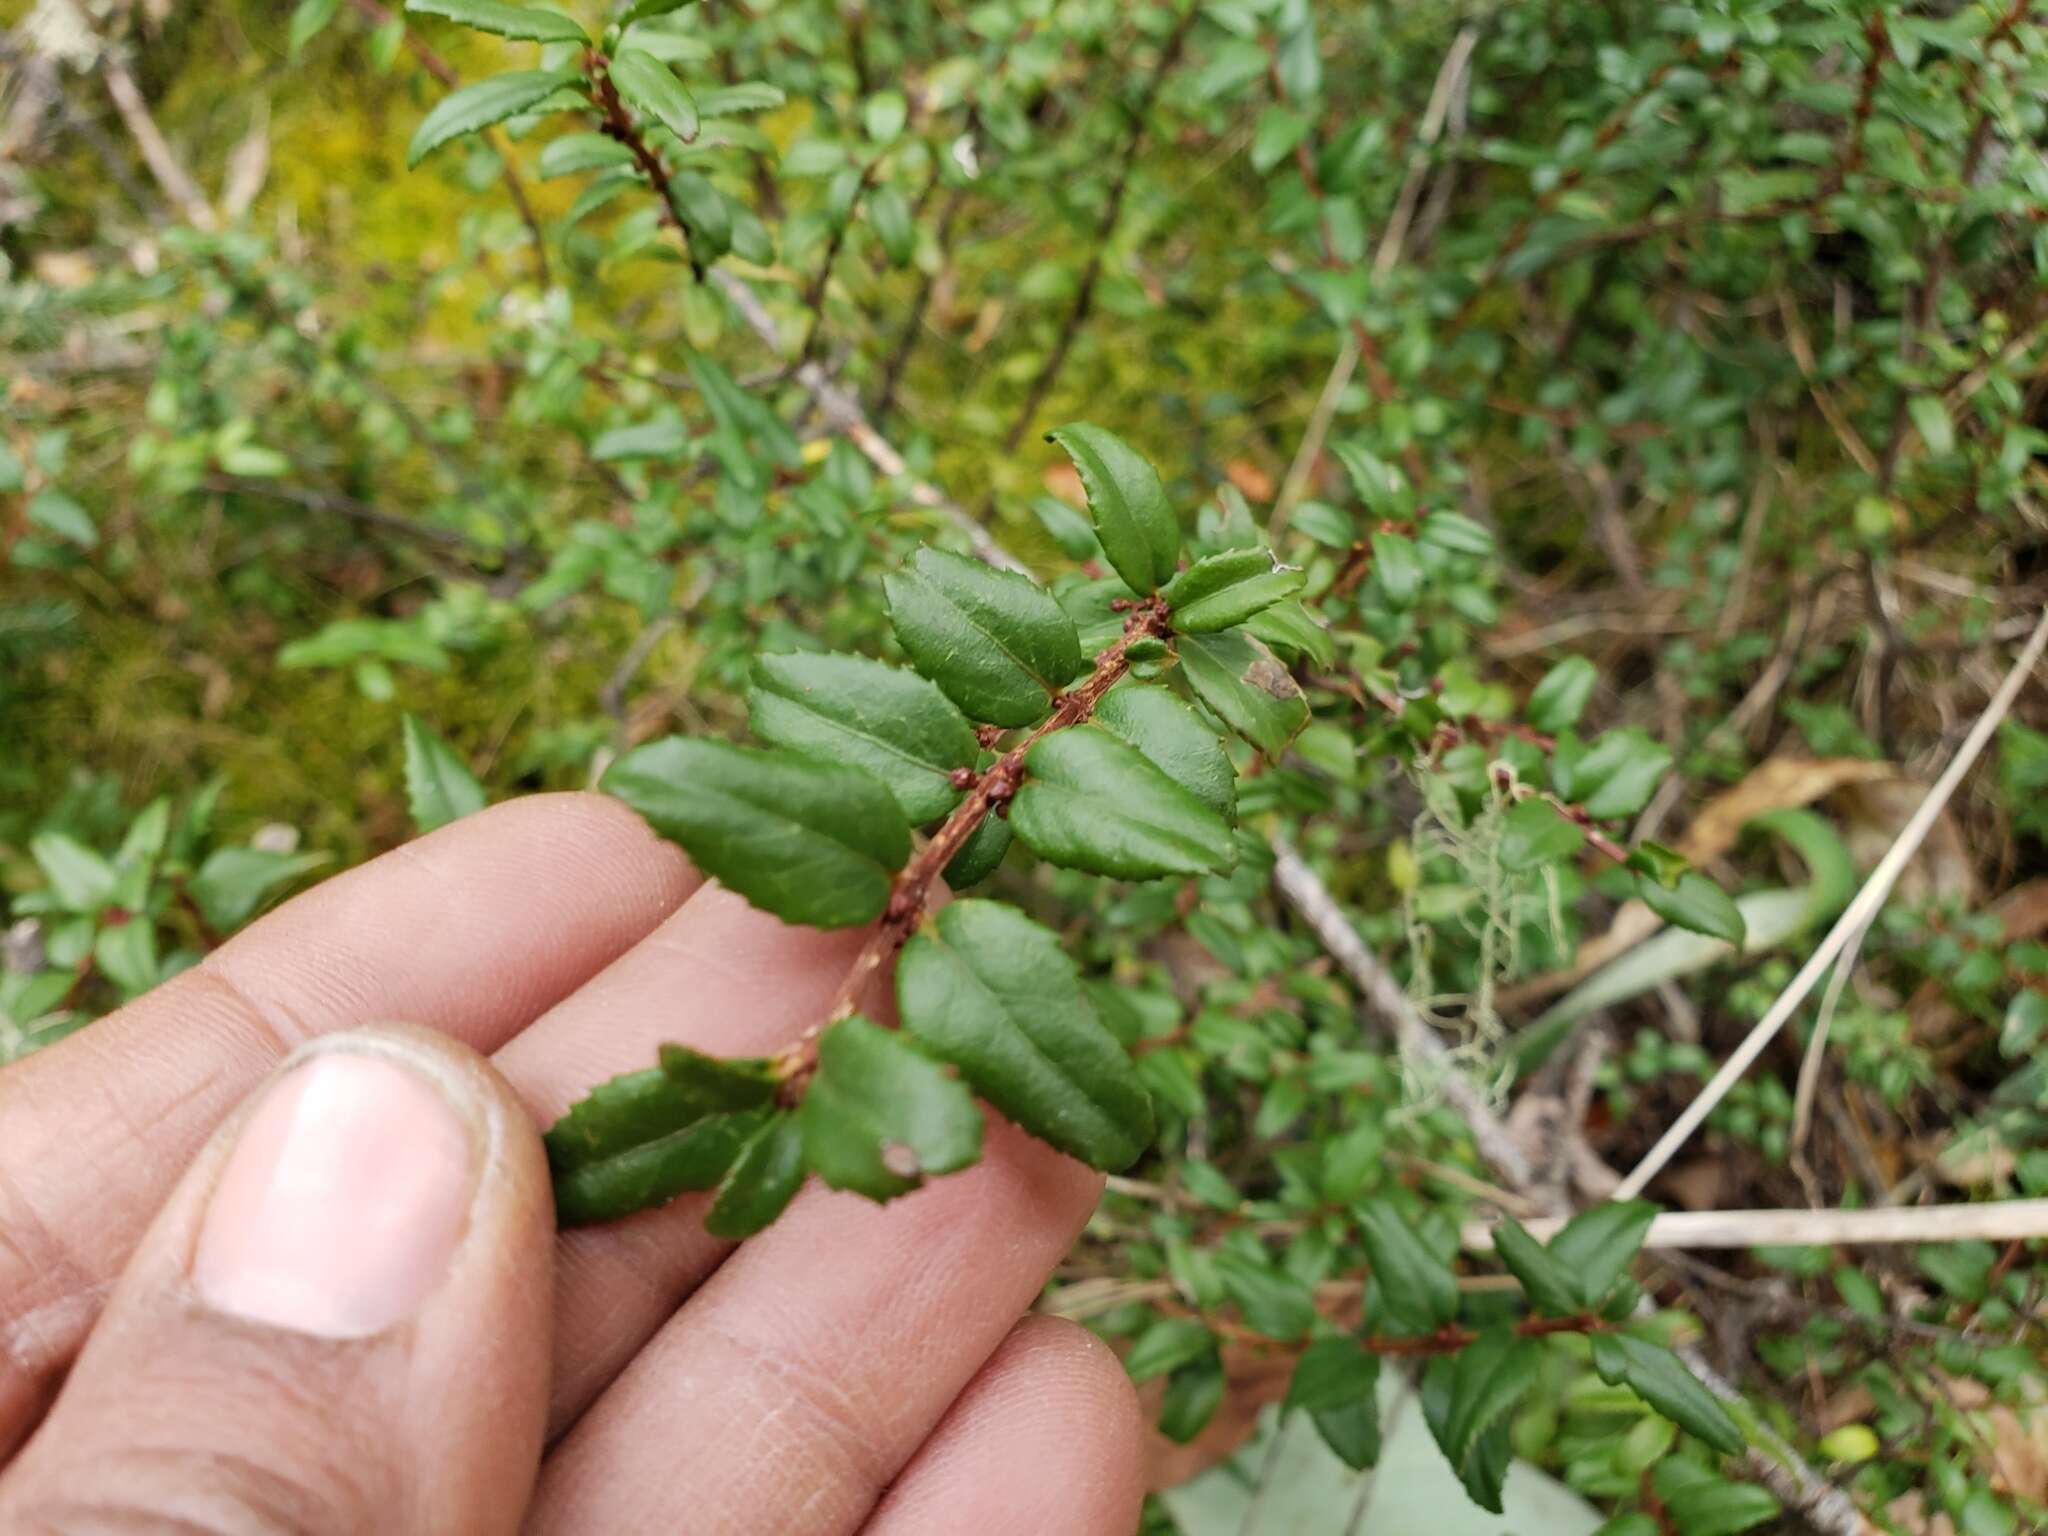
(268, 1265)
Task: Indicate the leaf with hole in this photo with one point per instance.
(477, 107)
(1246, 686)
(881, 1115)
(526, 23)
(996, 642)
(1095, 803)
(992, 992)
(1175, 739)
(439, 787)
(849, 709)
(1226, 589)
(1139, 533)
(813, 843)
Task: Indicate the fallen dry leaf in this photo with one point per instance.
(1256, 484)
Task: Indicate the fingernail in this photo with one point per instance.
(342, 1202)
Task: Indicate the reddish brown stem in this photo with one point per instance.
(911, 892)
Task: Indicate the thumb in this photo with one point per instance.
(338, 1323)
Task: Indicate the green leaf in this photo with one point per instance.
(1931, 420)
(1094, 803)
(1417, 1289)
(1247, 687)
(1167, 1345)
(1291, 627)
(747, 96)
(761, 1182)
(1486, 1462)
(80, 878)
(649, 86)
(997, 642)
(641, 1139)
(309, 19)
(1228, 588)
(662, 437)
(1193, 1394)
(438, 785)
(2025, 1025)
(1616, 775)
(1133, 518)
(1556, 702)
(1379, 485)
(1551, 1288)
(813, 843)
(1700, 1502)
(884, 114)
(848, 709)
(1396, 568)
(1273, 1302)
(1171, 735)
(126, 954)
(1533, 833)
(1490, 1378)
(55, 512)
(1596, 1247)
(881, 1115)
(233, 882)
(1660, 1379)
(692, 1156)
(1336, 1383)
(980, 854)
(704, 214)
(1456, 534)
(889, 214)
(574, 153)
(476, 107)
(992, 992)
(1695, 903)
(530, 23)
(641, 10)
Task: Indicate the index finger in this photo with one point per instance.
(473, 930)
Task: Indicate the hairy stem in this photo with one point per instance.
(910, 895)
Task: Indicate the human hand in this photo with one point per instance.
(334, 1300)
